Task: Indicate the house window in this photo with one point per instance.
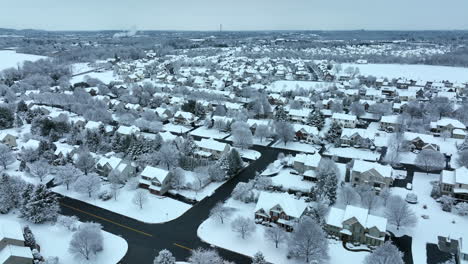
(356, 179)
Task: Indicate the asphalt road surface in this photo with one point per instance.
(180, 235)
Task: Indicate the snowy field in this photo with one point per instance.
(157, 209)
(106, 77)
(221, 235)
(81, 67)
(353, 153)
(288, 181)
(54, 241)
(425, 232)
(9, 59)
(200, 195)
(285, 86)
(415, 72)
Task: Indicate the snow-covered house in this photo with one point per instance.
(345, 120)
(128, 130)
(185, 118)
(211, 148)
(106, 165)
(356, 225)
(357, 137)
(306, 133)
(453, 244)
(155, 179)
(452, 126)
(299, 115)
(373, 174)
(8, 139)
(307, 163)
(12, 249)
(418, 141)
(163, 113)
(280, 208)
(389, 123)
(455, 183)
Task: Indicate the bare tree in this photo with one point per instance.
(243, 225)
(168, 155)
(262, 132)
(164, 257)
(241, 135)
(308, 241)
(357, 109)
(399, 213)
(89, 184)
(275, 234)
(385, 254)
(66, 175)
(220, 212)
(369, 200)
(140, 198)
(87, 241)
(430, 160)
(85, 162)
(462, 159)
(284, 131)
(385, 194)
(39, 169)
(205, 256)
(6, 156)
(348, 195)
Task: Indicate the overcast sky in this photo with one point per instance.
(234, 14)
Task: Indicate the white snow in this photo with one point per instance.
(414, 72)
(54, 241)
(295, 146)
(208, 133)
(157, 209)
(106, 77)
(11, 59)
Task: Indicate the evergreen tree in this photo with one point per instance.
(334, 133)
(280, 114)
(21, 107)
(10, 190)
(316, 119)
(164, 257)
(258, 258)
(18, 121)
(327, 180)
(42, 207)
(6, 118)
(25, 197)
(235, 162)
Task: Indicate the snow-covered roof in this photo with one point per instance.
(337, 216)
(185, 115)
(290, 205)
(300, 112)
(167, 136)
(342, 116)
(211, 144)
(390, 119)
(92, 125)
(308, 159)
(63, 149)
(449, 121)
(308, 129)
(11, 251)
(364, 133)
(257, 122)
(32, 144)
(152, 172)
(447, 177)
(461, 175)
(363, 166)
(11, 230)
(112, 161)
(128, 130)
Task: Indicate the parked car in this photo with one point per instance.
(409, 186)
(412, 198)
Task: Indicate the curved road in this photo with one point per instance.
(179, 235)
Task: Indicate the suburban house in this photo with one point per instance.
(8, 139)
(389, 123)
(184, 118)
(371, 173)
(306, 164)
(306, 133)
(128, 130)
(12, 249)
(452, 126)
(299, 115)
(357, 137)
(345, 120)
(163, 113)
(211, 148)
(106, 165)
(155, 179)
(356, 225)
(417, 141)
(454, 246)
(455, 183)
(280, 208)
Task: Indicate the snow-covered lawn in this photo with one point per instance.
(200, 195)
(81, 67)
(256, 141)
(290, 181)
(353, 153)
(169, 127)
(54, 241)
(221, 235)
(295, 146)
(439, 222)
(157, 209)
(208, 133)
(106, 77)
(11, 59)
(415, 72)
